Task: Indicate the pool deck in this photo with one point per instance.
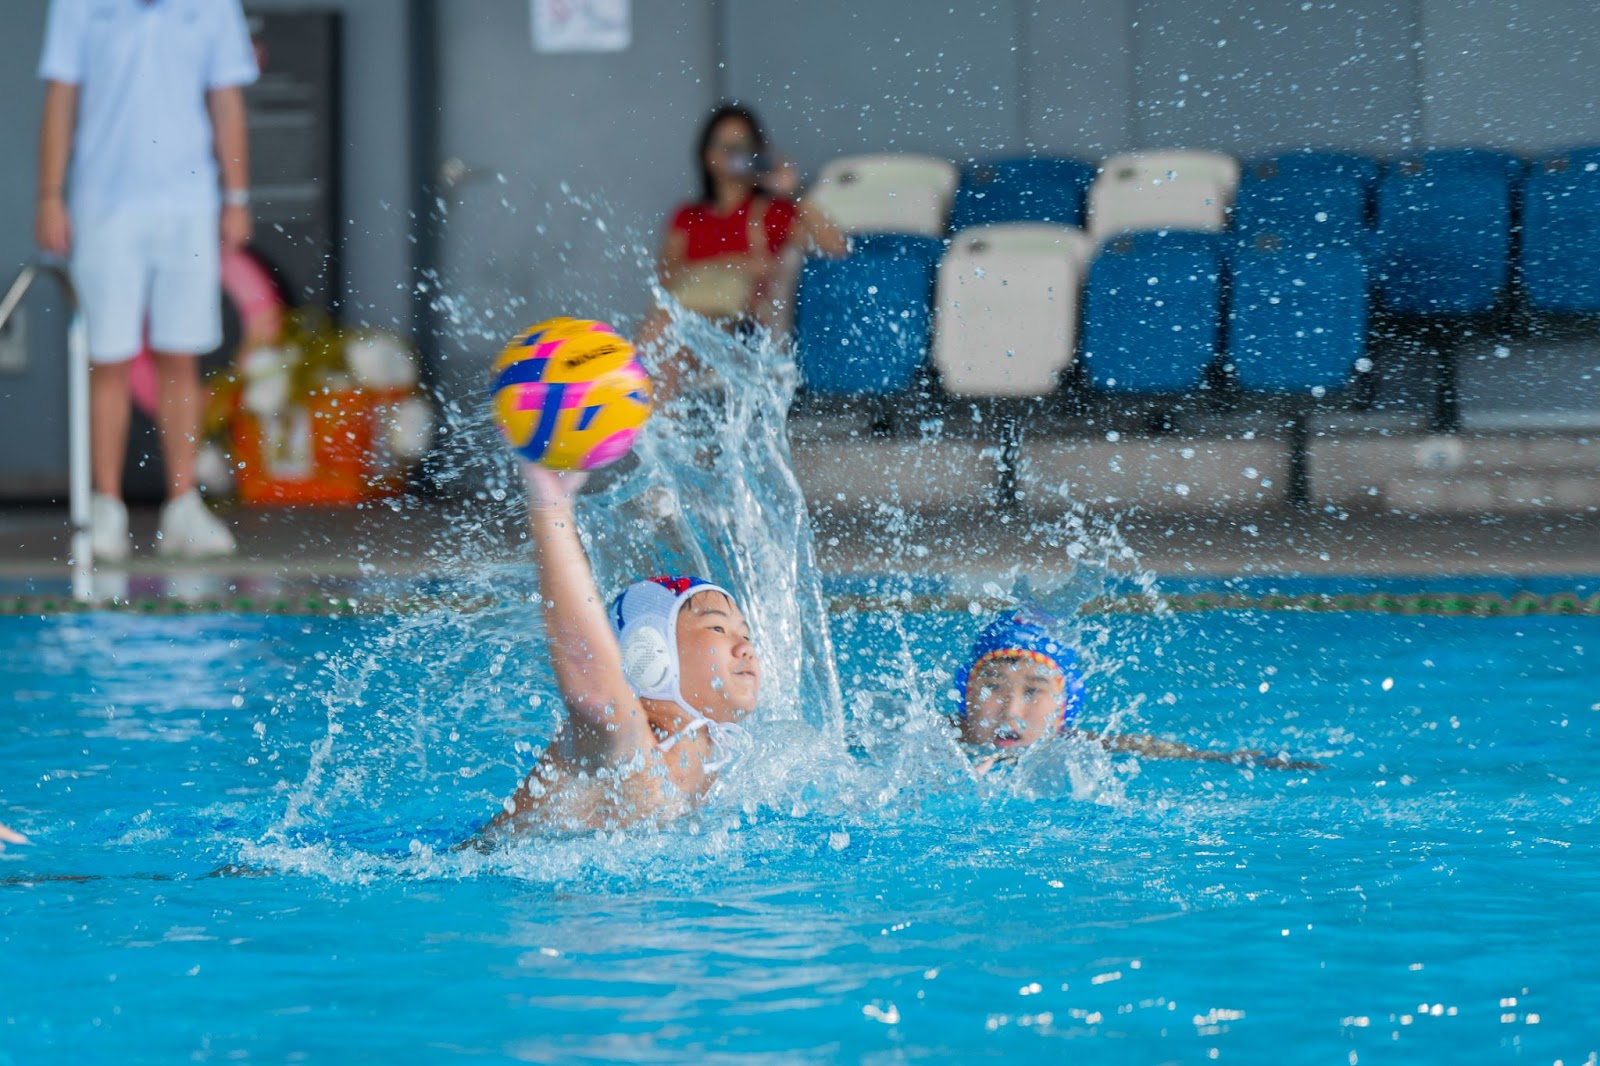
(292, 550)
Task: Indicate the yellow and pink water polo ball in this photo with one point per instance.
(570, 394)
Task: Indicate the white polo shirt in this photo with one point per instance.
(143, 67)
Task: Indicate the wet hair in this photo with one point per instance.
(708, 187)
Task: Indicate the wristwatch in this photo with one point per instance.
(236, 198)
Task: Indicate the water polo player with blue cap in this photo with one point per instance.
(654, 683)
(1018, 685)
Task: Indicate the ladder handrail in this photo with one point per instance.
(25, 279)
(81, 554)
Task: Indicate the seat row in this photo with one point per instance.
(1006, 309)
(1436, 229)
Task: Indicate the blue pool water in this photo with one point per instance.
(1428, 897)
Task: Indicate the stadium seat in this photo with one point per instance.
(1586, 157)
(1317, 164)
(1476, 161)
(892, 193)
(1304, 209)
(1007, 317)
(1162, 190)
(1443, 238)
(1182, 163)
(863, 323)
(1297, 320)
(1057, 170)
(1129, 200)
(1560, 267)
(1152, 309)
(1021, 190)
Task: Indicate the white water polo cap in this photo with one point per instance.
(645, 617)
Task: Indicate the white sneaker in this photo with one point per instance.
(189, 529)
(108, 528)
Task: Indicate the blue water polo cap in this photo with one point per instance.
(1013, 635)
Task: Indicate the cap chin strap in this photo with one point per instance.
(722, 735)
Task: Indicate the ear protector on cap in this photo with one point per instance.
(647, 661)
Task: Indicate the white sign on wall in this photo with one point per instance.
(582, 25)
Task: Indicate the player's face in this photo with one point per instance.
(1012, 703)
(718, 669)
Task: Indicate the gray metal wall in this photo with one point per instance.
(1081, 77)
(572, 160)
(33, 403)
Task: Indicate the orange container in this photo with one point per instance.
(329, 452)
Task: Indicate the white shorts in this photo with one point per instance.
(133, 268)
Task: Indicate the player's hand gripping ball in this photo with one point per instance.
(570, 394)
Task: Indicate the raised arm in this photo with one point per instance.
(607, 722)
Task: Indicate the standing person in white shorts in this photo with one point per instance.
(145, 97)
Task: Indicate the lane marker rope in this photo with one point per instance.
(1446, 604)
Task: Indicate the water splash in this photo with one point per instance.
(714, 493)
(428, 721)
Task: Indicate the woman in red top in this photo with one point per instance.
(724, 253)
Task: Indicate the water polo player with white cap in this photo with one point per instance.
(654, 686)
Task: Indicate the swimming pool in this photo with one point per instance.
(1426, 897)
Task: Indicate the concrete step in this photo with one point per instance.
(1166, 473)
(1407, 471)
(1470, 472)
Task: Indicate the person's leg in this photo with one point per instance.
(185, 321)
(109, 407)
(179, 403)
(669, 366)
(111, 275)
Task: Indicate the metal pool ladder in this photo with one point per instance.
(80, 552)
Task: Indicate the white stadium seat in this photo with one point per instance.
(887, 193)
(1162, 190)
(1136, 200)
(1007, 315)
(1213, 166)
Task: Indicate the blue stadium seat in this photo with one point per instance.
(1476, 160)
(1021, 190)
(1586, 157)
(1306, 210)
(863, 323)
(1318, 164)
(1056, 170)
(1443, 238)
(1297, 321)
(1560, 268)
(1152, 312)
(892, 244)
